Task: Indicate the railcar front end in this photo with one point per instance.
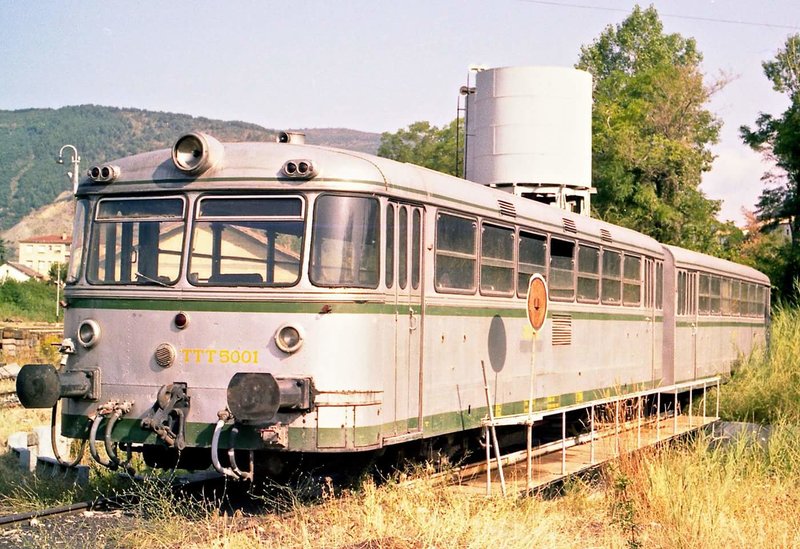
(235, 306)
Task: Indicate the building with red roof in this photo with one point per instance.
(41, 252)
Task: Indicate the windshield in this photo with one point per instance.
(136, 241)
(247, 241)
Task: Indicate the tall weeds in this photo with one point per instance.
(766, 386)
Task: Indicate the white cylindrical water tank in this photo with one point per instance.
(530, 125)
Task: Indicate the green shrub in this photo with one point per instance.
(30, 300)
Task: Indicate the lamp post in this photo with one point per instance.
(76, 165)
(74, 176)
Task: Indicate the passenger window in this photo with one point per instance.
(497, 260)
(755, 300)
(562, 269)
(737, 303)
(612, 277)
(715, 295)
(455, 253)
(632, 281)
(659, 285)
(588, 274)
(725, 296)
(681, 295)
(402, 256)
(416, 246)
(532, 254)
(389, 246)
(704, 297)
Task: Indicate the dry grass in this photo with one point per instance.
(693, 496)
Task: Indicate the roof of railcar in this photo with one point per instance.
(247, 165)
(695, 260)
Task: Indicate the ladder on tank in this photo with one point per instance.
(569, 456)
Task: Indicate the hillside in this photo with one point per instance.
(30, 180)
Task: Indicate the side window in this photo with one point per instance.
(588, 274)
(659, 285)
(345, 242)
(704, 294)
(497, 260)
(416, 247)
(737, 303)
(756, 298)
(725, 296)
(532, 257)
(612, 277)
(455, 253)
(402, 256)
(78, 235)
(562, 269)
(632, 281)
(389, 246)
(715, 295)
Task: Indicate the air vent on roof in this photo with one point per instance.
(605, 235)
(507, 208)
(562, 329)
(569, 225)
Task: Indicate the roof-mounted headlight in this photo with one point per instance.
(103, 174)
(299, 169)
(196, 152)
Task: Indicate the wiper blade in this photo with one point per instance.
(153, 280)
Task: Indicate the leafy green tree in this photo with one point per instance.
(652, 132)
(778, 138)
(57, 271)
(424, 145)
(765, 250)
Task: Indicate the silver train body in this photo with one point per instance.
(299, 299)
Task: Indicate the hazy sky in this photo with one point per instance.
(366, 65)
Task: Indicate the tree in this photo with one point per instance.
(3, 251)
(765, 250)
(778, 138)
(424, 145)
(57, 271)
(652, 132)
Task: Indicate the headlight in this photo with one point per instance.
(289, 338)
(196, 152)
(88, 333)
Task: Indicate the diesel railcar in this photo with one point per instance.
(292, 300)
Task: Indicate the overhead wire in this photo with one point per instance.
(671, 15)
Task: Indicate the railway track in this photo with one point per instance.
(84, 524)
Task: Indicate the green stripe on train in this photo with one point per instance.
(307, 307)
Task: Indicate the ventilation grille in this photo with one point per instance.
(605, 235)
(507, 208)
(569, 225)
(562, 329)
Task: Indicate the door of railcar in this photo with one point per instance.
(404, 273)
(650, 310)
(686, 327)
